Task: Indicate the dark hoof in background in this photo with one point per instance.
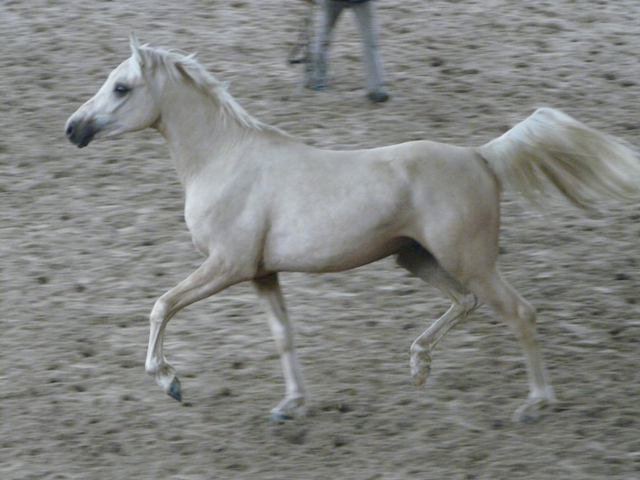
(174, 390)
(378, 97)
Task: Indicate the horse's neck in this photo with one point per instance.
(197, 131)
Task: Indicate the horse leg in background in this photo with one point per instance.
(423, 265)
(514, 310)
(268, 289)
(207, 280)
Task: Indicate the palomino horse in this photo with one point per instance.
(259, 202)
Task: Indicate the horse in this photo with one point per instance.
(259, 202)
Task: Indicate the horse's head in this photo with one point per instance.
(125, 103)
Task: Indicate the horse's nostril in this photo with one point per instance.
(69, 131)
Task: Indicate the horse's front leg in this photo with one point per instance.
(268, 289)
(212, 277)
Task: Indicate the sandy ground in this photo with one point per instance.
(89, 239)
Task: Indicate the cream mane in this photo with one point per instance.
(180, 66)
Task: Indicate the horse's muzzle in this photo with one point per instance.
(80, 133)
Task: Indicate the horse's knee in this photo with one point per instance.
(524, 323)
(469, 303)
(527, 313)
(514, 310)
(159, 312)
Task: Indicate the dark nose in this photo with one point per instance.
(70, 130)
(80, 132)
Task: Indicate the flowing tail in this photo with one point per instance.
(550, 153)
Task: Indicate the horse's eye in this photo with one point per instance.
(121, 89)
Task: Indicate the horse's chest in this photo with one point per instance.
(201, 219)
(215, 220)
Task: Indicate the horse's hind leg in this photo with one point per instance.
(268, 289)
(423, 265)
(493, 290)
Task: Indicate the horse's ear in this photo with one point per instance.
(134, 43)
(136, 51)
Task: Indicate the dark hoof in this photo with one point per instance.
(378, 97)
(174, 390)
(317, 88)
(279, 417)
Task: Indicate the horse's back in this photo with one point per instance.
(442, 176)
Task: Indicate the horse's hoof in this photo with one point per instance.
(421, 379)
(288, 409)
(174, 390)
(533, 410)
(526, 415)
(280, 417)
(420, 369)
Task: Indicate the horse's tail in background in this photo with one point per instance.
(550, 153)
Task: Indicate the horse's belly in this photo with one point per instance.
(333, 255)
(336, 231)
